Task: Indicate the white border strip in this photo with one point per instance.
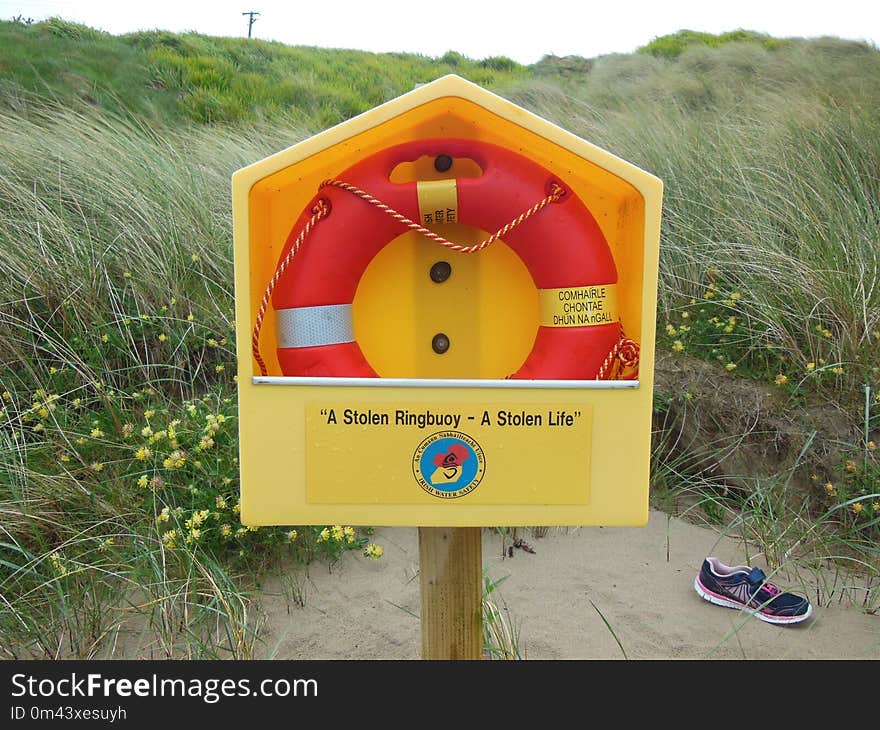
(450, 383)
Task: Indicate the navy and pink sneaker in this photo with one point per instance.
(748, 588)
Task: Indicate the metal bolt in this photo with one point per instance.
(440, 272)
(442, 163)
(440, 343)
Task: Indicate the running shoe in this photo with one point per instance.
(748, 588)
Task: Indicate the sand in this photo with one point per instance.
(362, 609)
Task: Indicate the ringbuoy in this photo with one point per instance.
(562, 247)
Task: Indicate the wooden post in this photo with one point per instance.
(450, 575)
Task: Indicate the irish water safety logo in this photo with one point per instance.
(448, 464)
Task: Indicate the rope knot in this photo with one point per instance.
(556, 191)
(629, 353)
(321, 208)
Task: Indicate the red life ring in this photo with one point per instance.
(562, 247)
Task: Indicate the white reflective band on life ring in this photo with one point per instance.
(578, 306)
(329, 324)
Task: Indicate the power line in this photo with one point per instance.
(251, 20)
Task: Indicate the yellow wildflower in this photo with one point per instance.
(837, 370)
(857, 507)
(143, 453)
(373, 551)
(143, 481)
(96, 433)
(850, 466)
(58, 564)
(162, 337)
(731, 366)
(677, 346)
(158, 436)
(168, 539)
(226, 530)
(175, 460)
(323, 536)
(97, 466)
(164, 515)
(811, 366)
(829, 488)
(781, 379)
(871, 445)
(291, 536)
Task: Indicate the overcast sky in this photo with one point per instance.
(523, 31)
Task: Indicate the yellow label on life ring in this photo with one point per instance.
(438, 201)
(582, 306)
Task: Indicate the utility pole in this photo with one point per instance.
(251, 20)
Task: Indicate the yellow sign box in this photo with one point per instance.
(445, 405)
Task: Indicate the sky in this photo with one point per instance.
(523, 31)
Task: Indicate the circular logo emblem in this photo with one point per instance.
(448, 464)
